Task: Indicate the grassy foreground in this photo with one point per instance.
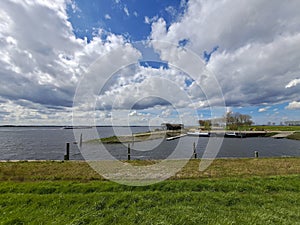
(231, 191)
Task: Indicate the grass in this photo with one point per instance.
(138, 137)
(268, 128)
(272, 200)
(273, 128)
(294, 136)
(231, 191)
(81, 171)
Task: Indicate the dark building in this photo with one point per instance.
(170, 126)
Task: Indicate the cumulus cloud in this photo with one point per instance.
(41, 60)
(255, 59)
(293, 105)
(142, 87)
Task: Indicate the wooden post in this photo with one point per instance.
(256, 154)
(194, 150)
(80, 141)
(67, 155)
(128, 152)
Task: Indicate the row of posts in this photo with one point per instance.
(67, 155)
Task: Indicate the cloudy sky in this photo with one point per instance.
(47, 50)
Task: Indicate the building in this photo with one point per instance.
(170, 126)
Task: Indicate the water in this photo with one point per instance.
(48, 143)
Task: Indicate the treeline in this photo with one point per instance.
(233, 121)
(236, 120)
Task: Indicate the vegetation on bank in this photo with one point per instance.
(81, 171)
(294, 136)
(270, 128)
(138, 137)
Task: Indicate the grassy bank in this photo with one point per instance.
(294, 136)
(231, 191)
(80, 170)
(138, 137)
(270, 128)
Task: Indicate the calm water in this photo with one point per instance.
(49, 143)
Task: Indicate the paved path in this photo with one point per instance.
(283, 134)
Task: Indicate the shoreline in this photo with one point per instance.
(137, 137)
(139, 160)
(153, 135)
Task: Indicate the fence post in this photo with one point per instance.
(67, 155)
(128, 152)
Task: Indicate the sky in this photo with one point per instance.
(188, 60)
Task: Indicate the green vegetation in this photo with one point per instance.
(272, 200)
(272, 128)
(138, 137)
(81, 171)
(294, 136)
(231, 191)
(235, 121)
(270, 134)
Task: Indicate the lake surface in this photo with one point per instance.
(48, 143)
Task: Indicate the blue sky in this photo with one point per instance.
(121, 17)
(241, 48)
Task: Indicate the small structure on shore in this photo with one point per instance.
(170, 126)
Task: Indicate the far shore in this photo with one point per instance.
(159, 134)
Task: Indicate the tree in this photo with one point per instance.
(202, 123)
(207, 125)
(235, 120)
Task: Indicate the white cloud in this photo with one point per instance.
(171, 10)
(126, 11)
(254, 59)
(293, 83)
(107, 16)
(141, 87)
(148, 20)
(293, 105)
(263, 109)
(41, 60)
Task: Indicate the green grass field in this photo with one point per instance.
(231, 191)
(271, 128)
